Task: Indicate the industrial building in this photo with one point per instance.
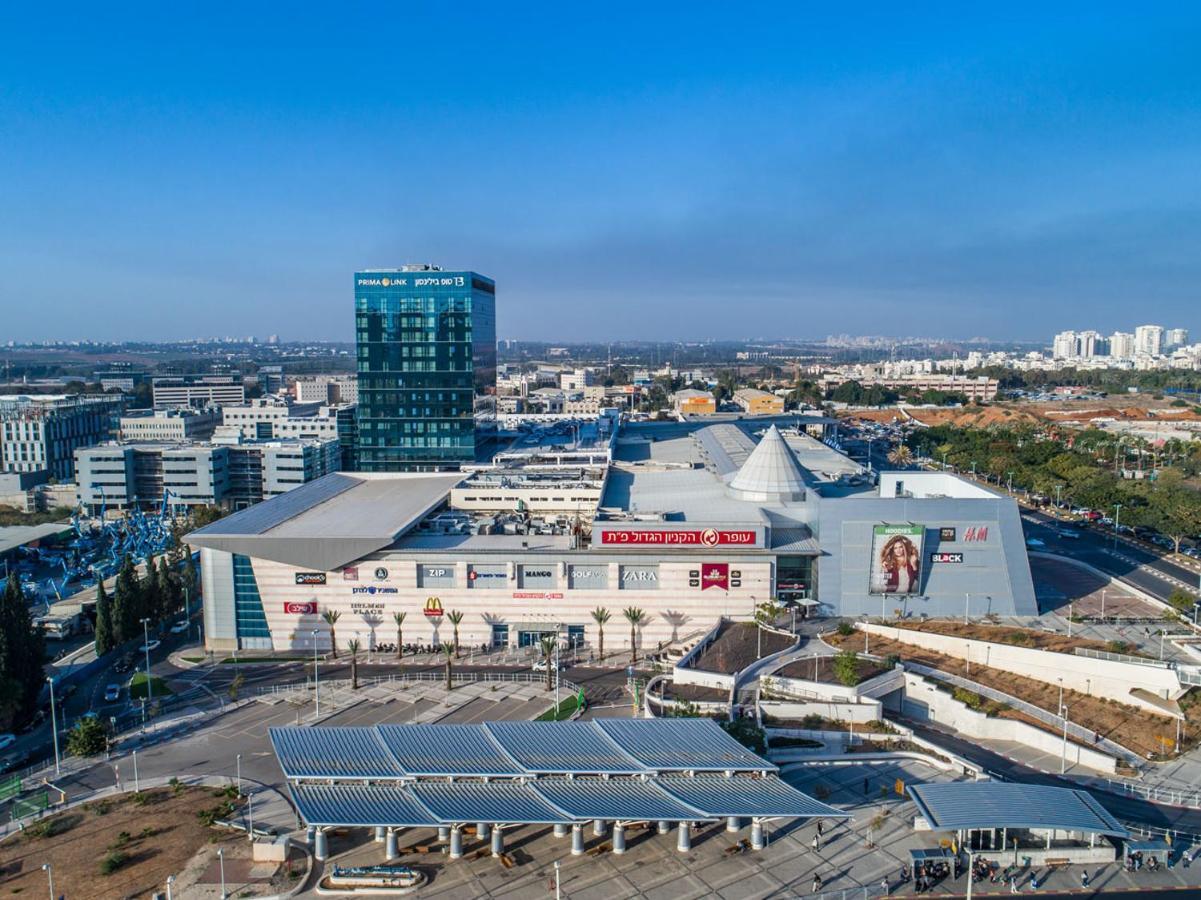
(426, 365)
(691, 402)
(688, 523)
(234, 475)
(200, 390)
(40, 433)
(759, 403)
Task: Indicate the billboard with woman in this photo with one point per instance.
(896, 559)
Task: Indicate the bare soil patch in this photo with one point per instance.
(157, 832)
(821, 669)
(1004, 634)
(738, 645)
(1149, 735)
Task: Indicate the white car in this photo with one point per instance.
(151, 647)
(179, 627)
(112, 692)
(1035, 542)
(540, 666)
(7, 740)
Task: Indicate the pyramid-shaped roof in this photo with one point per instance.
(771, 472)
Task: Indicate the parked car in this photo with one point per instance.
(540, 665)
(7, 740)
(14, 761)
(112, 693)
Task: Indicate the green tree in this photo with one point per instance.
(353, 646)
(188, 580)
(548, 653)
(126, 602)
(600, 615)
(22, 656)
(88, 738)
(1181, 601)
(634, 616)
(331, 617)
(747, 733)
(399, 619)
(104, 621)
(846, 667)
(455, 617)
(449, 649)
(167, 588)
(235, 687)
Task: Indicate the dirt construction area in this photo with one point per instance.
(126, 845)
(1146, 734)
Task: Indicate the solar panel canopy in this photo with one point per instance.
(997, 804)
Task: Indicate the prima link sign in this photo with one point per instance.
(423, 281)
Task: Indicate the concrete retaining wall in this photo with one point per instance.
(924, 702)
(1097, 677)
(868, 711)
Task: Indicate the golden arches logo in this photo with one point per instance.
(433, 607)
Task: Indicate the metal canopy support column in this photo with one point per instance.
(498, 840)
(599, 827)
(664, 827)
(619, 837)
(684, 843)
(390, 850)
(757, 842)
(379, 834)
(482, 830)
(320, 845)
(733, 823)
(456, 842)
(443, 833)
(577, 840)
(560, 829)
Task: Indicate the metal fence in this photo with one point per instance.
(417, 677)
(1124, 658)
(1084, 735)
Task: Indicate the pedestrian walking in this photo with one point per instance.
(817, 883)
(1084, 879)
(884, 886)
(865, 787)
(817, 842)
(1013, 885)
(819, 827)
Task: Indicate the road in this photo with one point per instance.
(1122, 559)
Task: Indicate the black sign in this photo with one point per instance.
(946, 534)
(946, 557)
(381, 574)
(694, 573)
(310, 578)
(538, 573)
(734, 582)
(694, 582)
(735, 573)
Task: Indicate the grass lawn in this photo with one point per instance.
(137, 687)
(567, 707)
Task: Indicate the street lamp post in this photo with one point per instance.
(170, 881)
(316, 683)
(221, 861)
(54, 727)
(146, 645)
(239, 774)
(1063, 760)
(1117, 515)
(46, 867)
(967, 599)
(558, 885)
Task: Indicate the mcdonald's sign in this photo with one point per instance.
(433, 607)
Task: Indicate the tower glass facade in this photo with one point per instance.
(426, 343)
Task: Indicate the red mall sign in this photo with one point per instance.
(300, 608)
(709, 537)
(715, 575)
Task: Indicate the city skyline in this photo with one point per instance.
(970, 176)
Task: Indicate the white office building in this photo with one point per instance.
(169, 425)
(201, 391)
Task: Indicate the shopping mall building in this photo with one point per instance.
(687, 522)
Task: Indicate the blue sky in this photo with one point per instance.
(622, 170)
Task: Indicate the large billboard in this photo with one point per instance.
(896, 559)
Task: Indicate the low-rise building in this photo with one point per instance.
(759, 403)
(169, 425)
(201, 390)
(328, 389)
(41, 432)
(691, 402)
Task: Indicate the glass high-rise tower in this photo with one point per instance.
(427, 366)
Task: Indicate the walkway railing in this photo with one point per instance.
(1084, 735)
(1124, 658)
(415, 678)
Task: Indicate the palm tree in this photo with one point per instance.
(399, 619)
(352, 647)
(455, 618)
(901, 456)
(449, 650)
(600, 615)
(331, 619)
(634, 616)
(548, 653)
